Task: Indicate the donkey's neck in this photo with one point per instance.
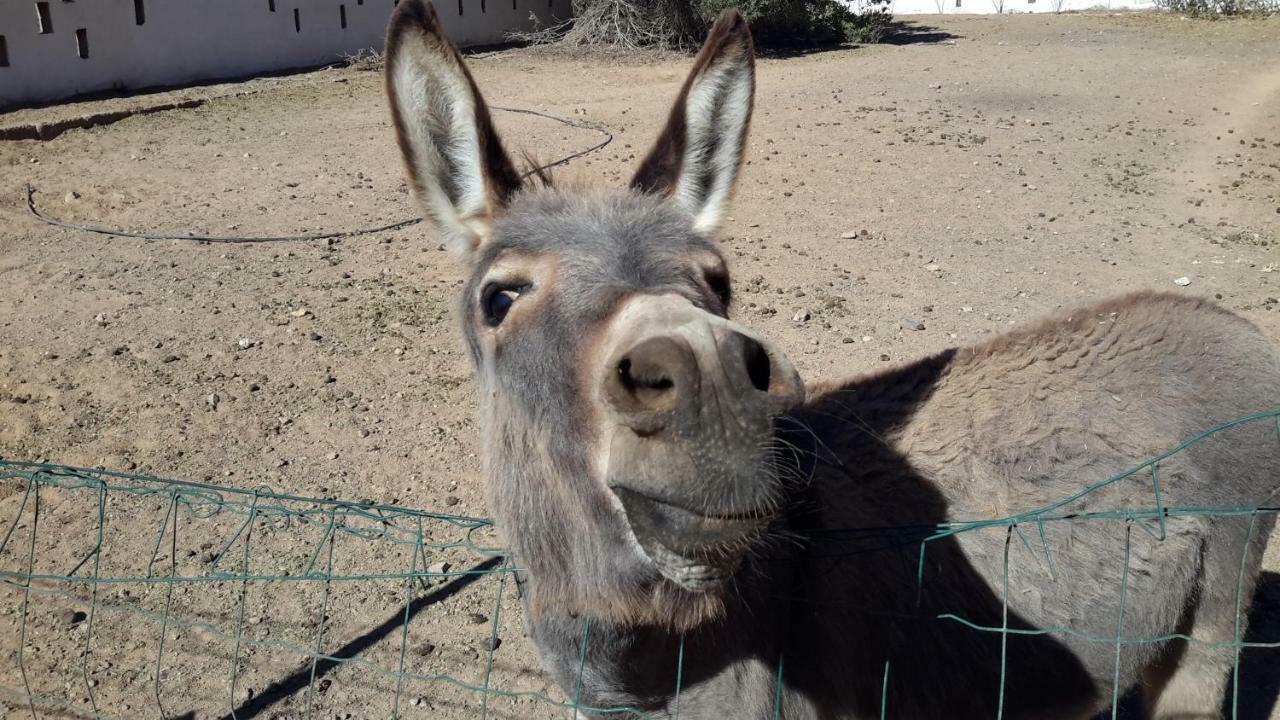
(728, 665)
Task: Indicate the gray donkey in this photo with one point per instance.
(701, 535)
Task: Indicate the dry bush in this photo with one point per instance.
(366, 59)
(624, 24)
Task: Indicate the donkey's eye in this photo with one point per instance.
(718, 281)
(496, 302)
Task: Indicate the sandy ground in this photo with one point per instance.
(966, 178)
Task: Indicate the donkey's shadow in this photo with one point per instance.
(1259, 667)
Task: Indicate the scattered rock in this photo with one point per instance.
(477, 619)
(71, 197)
(212, 400)
(423, 649)
(169, 358)
(72, 617)
(246, 343)
(452, 500)
(802, 315)
(909, 324)
(1182, 281)
(301, 312)
(491, 643)
(439, 568)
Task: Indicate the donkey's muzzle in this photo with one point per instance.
(689, 400)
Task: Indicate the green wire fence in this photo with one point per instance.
(129, 596)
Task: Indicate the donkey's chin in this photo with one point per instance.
(694, 550)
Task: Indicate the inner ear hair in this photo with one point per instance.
(455, 161)
(696, 158)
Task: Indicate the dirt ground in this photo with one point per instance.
(966, 177)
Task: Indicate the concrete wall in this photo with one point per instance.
(180, 41)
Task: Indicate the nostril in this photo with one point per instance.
(759, 367)
(646, 382)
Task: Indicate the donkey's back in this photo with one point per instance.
(1046, 411)
(1041, 427)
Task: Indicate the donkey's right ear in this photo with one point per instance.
(456, 164)
(696, 158)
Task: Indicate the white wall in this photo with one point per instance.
(187, 40)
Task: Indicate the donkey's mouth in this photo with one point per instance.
(696, 550)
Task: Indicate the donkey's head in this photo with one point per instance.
(628, 423)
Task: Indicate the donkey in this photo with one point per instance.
(701, 535)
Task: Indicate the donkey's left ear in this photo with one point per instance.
(695, 161)
(456, 163)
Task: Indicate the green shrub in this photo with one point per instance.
(791, 23)
(1220, 8)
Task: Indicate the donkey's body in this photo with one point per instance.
(702, 538)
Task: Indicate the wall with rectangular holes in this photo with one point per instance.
(55, 49)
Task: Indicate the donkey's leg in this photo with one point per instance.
(1193, 689)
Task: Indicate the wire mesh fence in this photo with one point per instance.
(129, 596)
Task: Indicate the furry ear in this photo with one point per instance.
(695, 161)
(456, 163)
